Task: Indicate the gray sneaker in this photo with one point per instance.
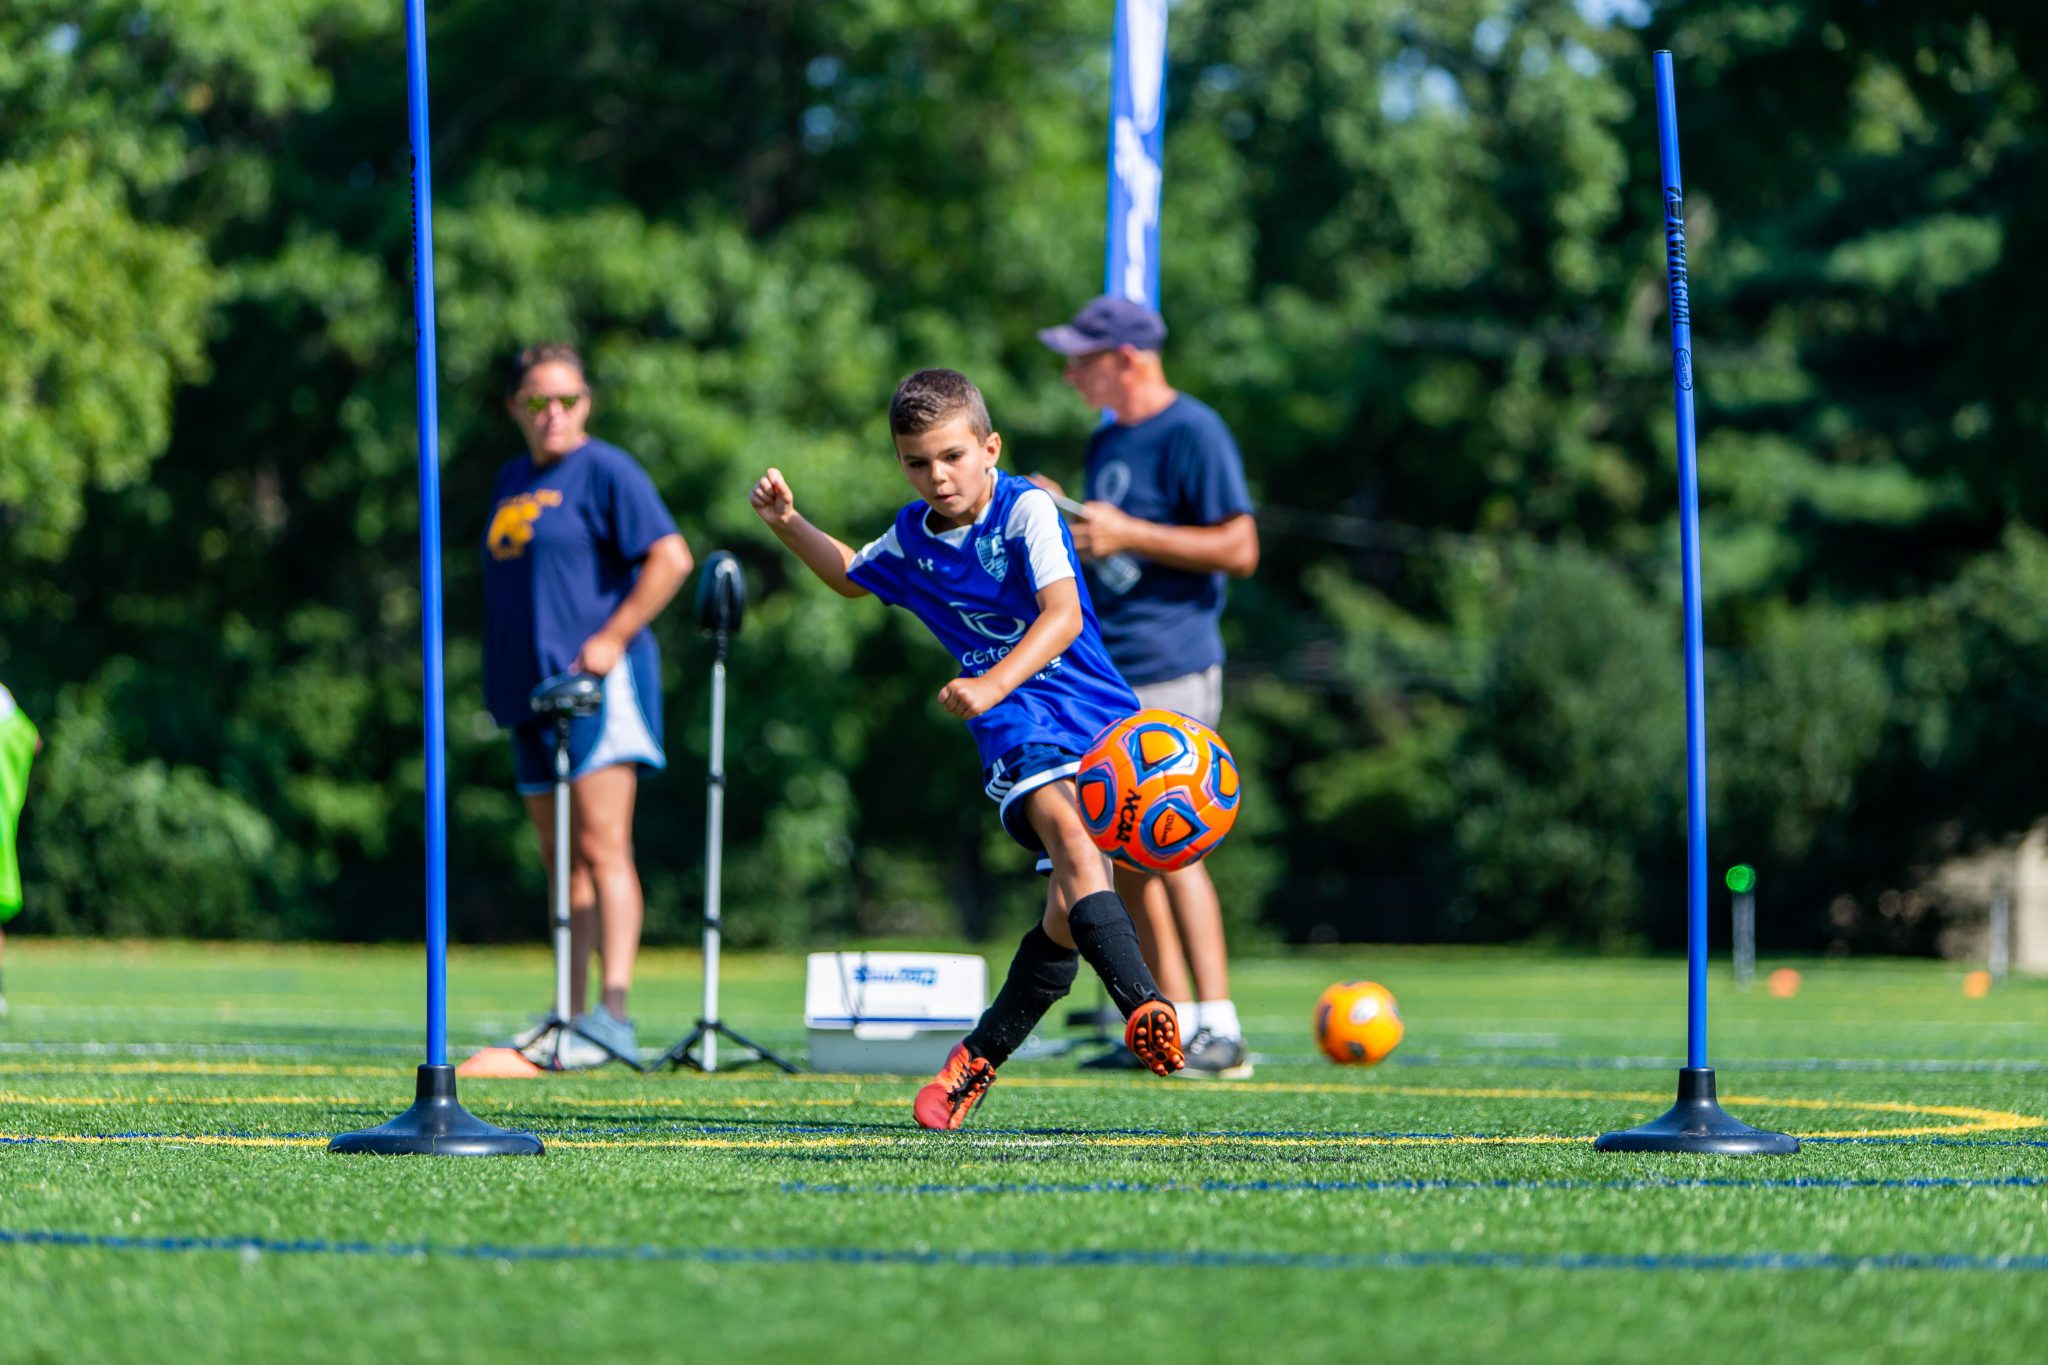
(1213, 1057)
(581, 1043)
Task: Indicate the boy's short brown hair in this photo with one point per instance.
(930, 397)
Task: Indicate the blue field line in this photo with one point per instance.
(1539, 1061)
(897, 1153)
(1419, 1186)
(1207, 1134)
(1927, 1141)
(1011, 1260)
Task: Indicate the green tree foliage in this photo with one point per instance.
(140, 848)
(1563, 779)
(1411, 252)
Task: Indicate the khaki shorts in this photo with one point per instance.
(1199, 695)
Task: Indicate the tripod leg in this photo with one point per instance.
(605, 1047)
(761, 1053)
(679, 1055)
(703, 1034)
(561, 897)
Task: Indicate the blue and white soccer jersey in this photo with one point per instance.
(976, 589)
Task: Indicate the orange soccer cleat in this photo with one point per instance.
(1153, 1033)
(944, 1102)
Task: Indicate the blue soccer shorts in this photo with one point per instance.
(1017, 774)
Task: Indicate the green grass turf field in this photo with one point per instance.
(165, 1192)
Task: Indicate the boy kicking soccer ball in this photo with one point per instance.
(985, 562)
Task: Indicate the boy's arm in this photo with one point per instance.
(1058, 625)
(824, 555)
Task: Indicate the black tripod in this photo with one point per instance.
(721, 602)
(563, 699)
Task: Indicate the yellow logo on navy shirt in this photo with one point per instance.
(512, 524)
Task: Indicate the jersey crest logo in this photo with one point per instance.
(989, 550)
(991, 625)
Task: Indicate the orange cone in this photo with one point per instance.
(501, 1063)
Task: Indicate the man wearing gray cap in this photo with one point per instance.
(1166, 519)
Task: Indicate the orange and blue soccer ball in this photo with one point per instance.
(1158, 791)
(1358, 1023)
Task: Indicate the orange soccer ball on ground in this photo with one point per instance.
(1357, 1023)
(1158, 791)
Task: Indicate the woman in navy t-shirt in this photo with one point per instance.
(580, 557)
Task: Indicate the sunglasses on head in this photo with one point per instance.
(538, 403)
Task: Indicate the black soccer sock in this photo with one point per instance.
(1103, 932)
(1040, 974)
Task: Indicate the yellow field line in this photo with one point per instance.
(829, 1140)
(1981, 1120)
(1986, 1118)
(925, 1141)
(196, 1069)
(1973, 1120)
(722, 1102)
(892, 1083)
(165, 1139)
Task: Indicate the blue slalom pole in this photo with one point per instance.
(1689, 554)
(427, 406)
(436, 1124)
(1696, 1123)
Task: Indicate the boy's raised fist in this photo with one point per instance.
(772, 499)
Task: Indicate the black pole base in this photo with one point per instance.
(679, 1055)
(438, 1125)
(1698, 1123)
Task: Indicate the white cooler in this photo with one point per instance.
(890, 1012)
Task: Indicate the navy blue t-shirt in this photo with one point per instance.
(563, 550)
(1178, 467)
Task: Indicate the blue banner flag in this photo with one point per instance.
(1137, 145)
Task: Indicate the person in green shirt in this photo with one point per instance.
(19, 744)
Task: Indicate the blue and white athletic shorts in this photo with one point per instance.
(626, 729)
(1018, 773)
